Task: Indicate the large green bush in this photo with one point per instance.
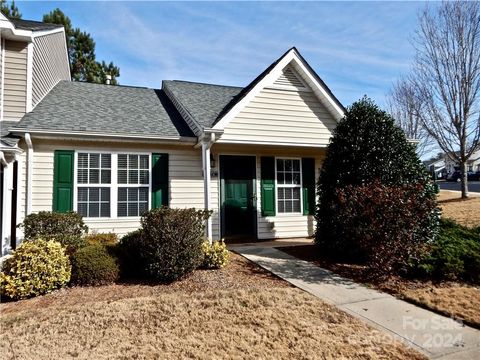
(35, 268)
(171, 242)
(94, 265)
(367, 146)
(454, 255)
(387, 224)
(66, 228)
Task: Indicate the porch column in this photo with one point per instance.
(206, 185)
(6, 204)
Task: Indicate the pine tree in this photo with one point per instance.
(11, 11)
(81, 52)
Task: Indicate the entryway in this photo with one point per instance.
(238, 197)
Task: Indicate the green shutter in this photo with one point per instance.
(267, 165)
(159, 180)
(63, 181)
(308, 186)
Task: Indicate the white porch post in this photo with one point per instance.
(207, 142)
(206, 186)
(6, 204)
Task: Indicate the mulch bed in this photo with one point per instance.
(240, 273)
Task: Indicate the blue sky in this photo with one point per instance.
(357, 48)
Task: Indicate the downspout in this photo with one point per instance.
(207, 142)
(28, 140)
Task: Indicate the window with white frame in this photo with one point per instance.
(112, 184)
(289, 185)
(93, 184)
(133, 184)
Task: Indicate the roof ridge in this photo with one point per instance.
(114, 86)
(204, 83)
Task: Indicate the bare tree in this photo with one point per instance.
(404, 107)
(446, 78)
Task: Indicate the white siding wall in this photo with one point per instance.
(185, 172)
(50, 64)
(15, 80)
(284, 117)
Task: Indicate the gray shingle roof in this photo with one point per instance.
(106, 109)
(204, 102)
(5, 138)
(33, 25)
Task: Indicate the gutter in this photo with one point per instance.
(102, 136)
(29, 184)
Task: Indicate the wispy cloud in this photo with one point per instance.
(357, 48)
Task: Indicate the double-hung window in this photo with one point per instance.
(133, 184)
(289, 185)
(93, 184)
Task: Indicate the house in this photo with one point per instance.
(473, 163)
(251, 155)
(436, 166)
(33, 59)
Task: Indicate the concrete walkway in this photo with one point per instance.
(436, 336)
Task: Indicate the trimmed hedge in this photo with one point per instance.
(106, 239)
(215, 255)
(66, 228)
(168, 246)
(35, 268)
(94, 265)
(131, 263)
(386, 225)
(454, 255)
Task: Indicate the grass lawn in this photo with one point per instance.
(465, 212)
(450, 298)
(240, 312)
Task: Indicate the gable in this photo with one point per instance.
(281, 116)
(287, 104)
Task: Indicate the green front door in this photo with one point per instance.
(237, 175)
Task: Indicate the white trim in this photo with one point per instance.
(29, 169)
(40, 33)
(101, 136)
(284, 214)
(254, 142)
(2, 91)
(29, 105)
(267, 81)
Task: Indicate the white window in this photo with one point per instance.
(133, 180)
(112, 185)
(289, 185)
(93, 184)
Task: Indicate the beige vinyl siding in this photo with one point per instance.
(281, 225)
(50, 64)
(283, 117)
(185, 187)
(15, 80)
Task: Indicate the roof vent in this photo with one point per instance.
(290, 79)
(108, 79)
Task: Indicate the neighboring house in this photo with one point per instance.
(33, 59)
(437, 166)
(473, 164)
(251, 155)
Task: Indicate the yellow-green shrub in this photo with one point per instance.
(105, 239)
(216, 255)
(35, 268)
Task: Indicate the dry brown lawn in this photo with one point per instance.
(465, 212)
(449, 298)
(240, 312)
(457, 300)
